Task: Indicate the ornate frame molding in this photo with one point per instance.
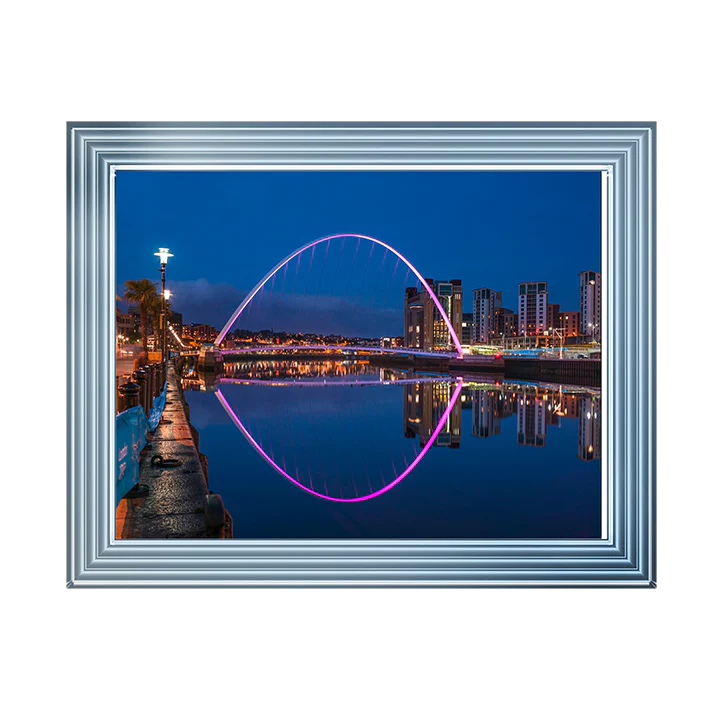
(626, 151)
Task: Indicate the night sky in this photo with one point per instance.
(227, 229)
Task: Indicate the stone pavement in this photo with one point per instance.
(174, 507)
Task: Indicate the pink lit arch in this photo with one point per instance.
(298, 251)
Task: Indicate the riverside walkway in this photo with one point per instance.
(177, 503)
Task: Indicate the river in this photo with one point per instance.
(313, 449)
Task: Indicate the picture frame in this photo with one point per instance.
(623, 152)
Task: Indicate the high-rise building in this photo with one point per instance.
(532, 308)
(417, 317)
(590, 304)
(467, 321)
(424, 327)
(484, 305)
(449, 294)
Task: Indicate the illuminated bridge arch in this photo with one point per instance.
(301, 250)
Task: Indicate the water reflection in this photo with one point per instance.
(536, 406)
(424, 404)
(338, 480)
(302, 369)
(479, 457)
(537, 409)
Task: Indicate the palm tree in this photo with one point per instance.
(142, 294)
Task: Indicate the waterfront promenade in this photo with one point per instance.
(178, 503)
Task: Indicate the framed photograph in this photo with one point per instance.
(361, 354)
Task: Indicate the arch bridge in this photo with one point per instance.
(340, 237)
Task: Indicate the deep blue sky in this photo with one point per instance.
(227, 229)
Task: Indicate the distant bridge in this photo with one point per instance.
(344, 348)
(322, 347)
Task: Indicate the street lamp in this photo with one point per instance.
(164, 255)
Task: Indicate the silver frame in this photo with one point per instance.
(626, 558)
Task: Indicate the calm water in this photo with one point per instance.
(321, 449)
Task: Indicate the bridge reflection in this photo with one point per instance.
(309, 486)
(432, 406)
(425, 402)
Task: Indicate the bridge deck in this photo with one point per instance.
(324, 347)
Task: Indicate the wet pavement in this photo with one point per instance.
(174, 507)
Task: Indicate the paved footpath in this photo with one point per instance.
(174, 506)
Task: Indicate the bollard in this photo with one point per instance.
(153, 386)
(129, 396)
(139, 377)
(214, 515)
(149, 390)
(148, 369)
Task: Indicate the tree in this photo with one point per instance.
(144, 296)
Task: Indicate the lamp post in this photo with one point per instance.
(166, 298)
(164, 255)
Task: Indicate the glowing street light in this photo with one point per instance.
(163, 254)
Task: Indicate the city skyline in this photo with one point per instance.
(423, 328)
(545, 225)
